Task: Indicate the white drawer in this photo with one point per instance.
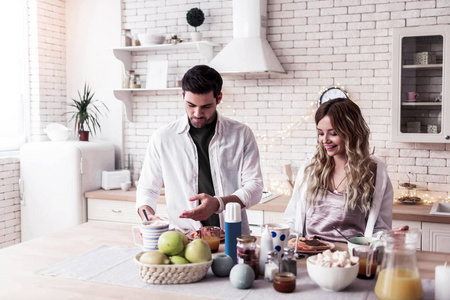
(113, 210)
(273, 217)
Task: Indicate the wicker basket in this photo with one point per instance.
(171, 274)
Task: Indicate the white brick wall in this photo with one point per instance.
(9, 202)
(320, 44)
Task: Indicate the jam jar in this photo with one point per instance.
(247, 252)
(284, 282)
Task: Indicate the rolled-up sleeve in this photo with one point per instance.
(252, 182)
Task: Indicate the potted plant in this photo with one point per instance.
(86, 113)
(195, 18)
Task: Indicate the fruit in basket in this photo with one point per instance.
(178, 260)
(185, 239)
(171, 243)
(154, 257)
(197, 251)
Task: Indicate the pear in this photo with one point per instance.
(171, 243)
(197, 251)
(178, 260)
(154, 257)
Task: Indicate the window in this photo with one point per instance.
(13, 76)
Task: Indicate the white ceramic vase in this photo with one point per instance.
(196, 36)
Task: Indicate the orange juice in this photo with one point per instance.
(398, 284)
(213, 242)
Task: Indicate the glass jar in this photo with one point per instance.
(135, 81)
(399, 276)
(126, 79)
(126, 38)
(247, 252)
(284, 282)
(272, 266)
(135, 40)
(288, 262)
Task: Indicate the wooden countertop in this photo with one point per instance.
(415, 212)
(20, 263)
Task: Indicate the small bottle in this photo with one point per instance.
(126, 38)
(271, 266)
(126, 79)
(135, 81)
(247, 252)
(288, 262)
(266, 246)
(232, 228)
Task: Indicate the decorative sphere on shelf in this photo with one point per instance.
(242, 276)
(221, 265)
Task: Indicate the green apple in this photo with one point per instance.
(178, 260)
(154, 257)
(171, 243)
(197, 251)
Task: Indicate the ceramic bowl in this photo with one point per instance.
(57, 132)
(331, 279)
(358, 241)
(148, 39)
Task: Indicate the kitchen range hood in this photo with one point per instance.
(249, 51)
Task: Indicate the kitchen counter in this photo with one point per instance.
(20, 263)
(415, 212)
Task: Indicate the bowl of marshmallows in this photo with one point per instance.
(332, 271)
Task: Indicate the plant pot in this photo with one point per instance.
(83, 136)
(196, 36)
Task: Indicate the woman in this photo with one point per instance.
(343, 186)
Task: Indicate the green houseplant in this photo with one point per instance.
(86, 113)
(195, 17)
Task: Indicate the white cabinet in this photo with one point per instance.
(118, 211)
(257, 218)
(124, 54)
(421, 97)
(436, 237)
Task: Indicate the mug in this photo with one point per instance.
(368, 261)
(149, 232)
(412, 96)
(280, 236)
(125, 186)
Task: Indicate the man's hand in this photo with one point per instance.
(150, 213)
(209, 206)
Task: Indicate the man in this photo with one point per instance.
(203, 159)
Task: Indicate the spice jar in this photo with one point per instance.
(284, 282)
(126, 38)
(135, 40)
(135, 81)
(126, 79)
(271, 266)
(288, 262)
(247, 252)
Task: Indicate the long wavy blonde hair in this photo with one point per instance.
(349, 124)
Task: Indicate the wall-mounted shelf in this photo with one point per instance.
(123, 54)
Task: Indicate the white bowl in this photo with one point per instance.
(148, 39)
(331, 279)
(57, 132)
(358, 241)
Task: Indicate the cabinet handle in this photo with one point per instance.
(116, 210)
(447, 137)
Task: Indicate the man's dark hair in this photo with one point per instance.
(202, 79)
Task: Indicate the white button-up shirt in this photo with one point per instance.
(172, 159)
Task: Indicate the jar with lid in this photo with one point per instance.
(135, 81)
(126, 38)
(135, 40)
(288, 262)
(271, 266)
(248, 252)
(284, 282)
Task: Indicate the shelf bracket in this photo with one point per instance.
(125, 97)
(206, 51)
(124, 57)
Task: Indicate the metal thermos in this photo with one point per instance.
(232, 229)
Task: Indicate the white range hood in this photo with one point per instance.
(249, 51)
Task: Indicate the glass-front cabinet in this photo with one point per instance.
(421, 102)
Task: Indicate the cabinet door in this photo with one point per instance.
(255, 221)
(273, 217)
(420, 68)
(436, 237)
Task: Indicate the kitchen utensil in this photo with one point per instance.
(145, 214)
(346, 238)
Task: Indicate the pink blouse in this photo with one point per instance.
(329, 212)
